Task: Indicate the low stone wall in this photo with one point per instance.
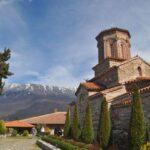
(46, 146)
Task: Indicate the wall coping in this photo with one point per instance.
(46, 146)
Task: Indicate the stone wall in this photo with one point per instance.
(104, 66)
(129, 70)
(101, 68)
(96, 108)
(109, 79)
(121, 116)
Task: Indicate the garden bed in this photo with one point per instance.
(68, 144)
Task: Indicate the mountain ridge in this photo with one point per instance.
(25, 100)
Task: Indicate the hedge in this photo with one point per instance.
(61, 143)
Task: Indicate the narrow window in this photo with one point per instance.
(81, 98)
(140, 71)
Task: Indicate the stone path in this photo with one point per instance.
(15, 143)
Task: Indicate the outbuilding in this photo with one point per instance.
(18, 125)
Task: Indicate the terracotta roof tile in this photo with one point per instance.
(18, 123)
(91, 86)
(53, 118)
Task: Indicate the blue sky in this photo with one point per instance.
(53, 41)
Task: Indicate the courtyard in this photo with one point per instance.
(18, 143)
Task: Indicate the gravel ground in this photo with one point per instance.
(18, 144)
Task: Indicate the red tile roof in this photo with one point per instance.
(53, 118)
(19, 124)
(90, 86)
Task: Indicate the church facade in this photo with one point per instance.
(116, 74)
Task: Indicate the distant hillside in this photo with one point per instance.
(26, 100)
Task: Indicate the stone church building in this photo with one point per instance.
(116, 74)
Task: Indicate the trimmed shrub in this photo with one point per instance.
(67, 125)
(104, 125)
(14, 132)
(137, 123)
(60, 144)
(87, 131)
(71, 141)
(25, 133)
(2, 127)
(76, 132)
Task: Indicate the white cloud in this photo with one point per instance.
(61, 76)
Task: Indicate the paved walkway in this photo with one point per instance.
(15, 143)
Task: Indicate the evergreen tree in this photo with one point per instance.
(67, 124)
(76, 132)
(104, 125)
(87, 131)
(137, 122)
(4, 67)
(2, 127)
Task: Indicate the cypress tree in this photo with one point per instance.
(87, 131)
(67, 125)
(137, 122)
(76, 132)
(104, 125)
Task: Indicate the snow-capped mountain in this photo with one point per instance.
(24, 100)
(39, 89)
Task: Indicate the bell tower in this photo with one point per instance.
(113, 48)
(113, 43)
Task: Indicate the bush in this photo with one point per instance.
(81, 145)
(2, 127)
(25, 133)
(104, 125)
(14, 132)
(137, 123)
(67, 125)
(87, 131)
(60, 144)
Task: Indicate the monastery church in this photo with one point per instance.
(116, 75)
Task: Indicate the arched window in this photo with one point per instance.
(139, 71)
(112, 45)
